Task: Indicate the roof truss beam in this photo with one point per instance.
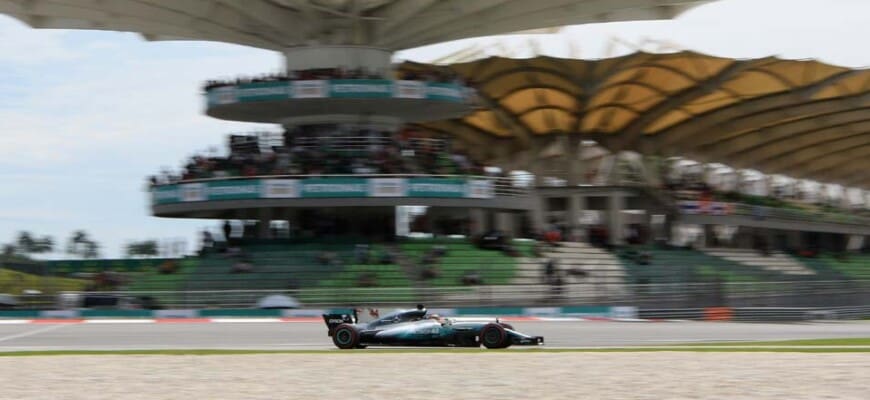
(751, 113)
(788, 135)
(633, 132)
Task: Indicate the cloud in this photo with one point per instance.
(86, 116)
(831, 31)
(26, 47)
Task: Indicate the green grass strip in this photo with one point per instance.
(211, 352)
(802, 342)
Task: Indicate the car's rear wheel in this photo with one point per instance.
(493, 336)
(345, 337)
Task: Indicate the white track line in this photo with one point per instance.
(244, 320)
(31, 333)
(14, 321)
(119, 321)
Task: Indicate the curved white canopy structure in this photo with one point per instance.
(280, 24)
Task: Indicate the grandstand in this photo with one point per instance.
(773, 261)
(680, 265)
(600, 167)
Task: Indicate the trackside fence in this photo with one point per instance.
(683, 298)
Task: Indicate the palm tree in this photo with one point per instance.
(80, 244)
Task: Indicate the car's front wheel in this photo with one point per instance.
(494, 336)
(345, 337)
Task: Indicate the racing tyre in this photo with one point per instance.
(345, 337)
(493, 336)
(507, 326)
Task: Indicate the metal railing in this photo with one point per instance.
(356, 143)
(673, 295)
(764, 212)
(797, 215)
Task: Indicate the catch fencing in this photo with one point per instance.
(686, 297)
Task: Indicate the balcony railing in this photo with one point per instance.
(692, 207)
(500, 186)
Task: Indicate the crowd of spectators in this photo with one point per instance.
(301, 75)
(441, 76)
(331, 150)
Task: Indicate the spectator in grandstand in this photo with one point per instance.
(538, 249)
(445, 76)
(598, 236)
(428, 258)
(439, 250)
(556, 282)
(242, 266)
(361, 253)
(328, 258)
(492, 240)
(429, 272)
(577, 272)
(471, 278)
(315, 150)
(387, 257)
(367, 280)
(760, 244)
(167, 267)
(553, 236)
(549, 270)
(207, 242)
(108, 280)
(227, 230)
(508, 248)
(645, 258)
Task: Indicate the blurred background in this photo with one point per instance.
(705, 160)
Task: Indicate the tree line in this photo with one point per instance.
(80, 244)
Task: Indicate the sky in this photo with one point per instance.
(85, 116)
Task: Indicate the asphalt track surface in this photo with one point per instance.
(312, 336)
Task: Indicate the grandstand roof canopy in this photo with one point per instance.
(804, 119)
(278, 24)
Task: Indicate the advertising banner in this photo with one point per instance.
(434, 187)
(280, 188)
(192, 192)
(222, 95)
(165, 194)
(233, 190)
(360, 88)
(409, 90)
(334, 187)
(623, 312)
(262, 91)
(387, 187)
(480, 189)
(339, 88)
(242, 189)
(308, 89)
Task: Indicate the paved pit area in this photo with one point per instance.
(504, 375)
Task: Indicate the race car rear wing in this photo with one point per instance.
(334, 320)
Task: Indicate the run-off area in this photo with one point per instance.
(485, 375)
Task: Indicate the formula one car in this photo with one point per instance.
(416, 328)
